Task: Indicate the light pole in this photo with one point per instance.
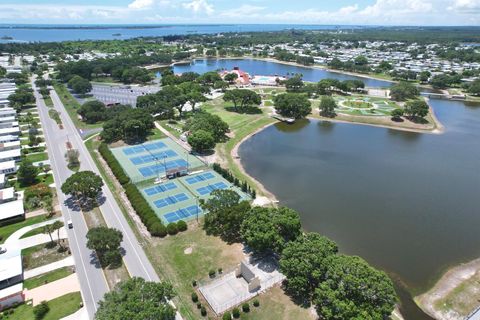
(196, 200)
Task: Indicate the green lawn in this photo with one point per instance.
(71, 105)
(59, 308)
(47, 277)
(174, 132)
(6, 231)
(48, 101)
(155, 135)
(37, 157)
(32, 232)
(46, 178)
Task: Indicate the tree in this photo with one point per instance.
(397, 114)
(416, 108)
(294, 84)
(85, 186)
(292, 105)
(41, 310)
(303, 263)
(353, 290)
(106, 243)
(128, 124)
(474, 88)
(268, 230)
(27, 173)
(231, 77)
(361, 60)
(201, 141)
(441, 81)
(72, 156)
(20, 98)
(79, 85)
(93, 111)
(225, 214)
(58, 225)
(48, 229)
(424, 76)
(207, 122)
(403, 90)
(137, 299)
(241, 98)
(3, 72)
(327, 107)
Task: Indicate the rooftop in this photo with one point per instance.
(9, 210)
(7, 194)
(10, 263)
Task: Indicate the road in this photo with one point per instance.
(92, 281)
(91, 278)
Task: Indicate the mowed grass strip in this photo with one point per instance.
(6, 231)
(47, 277)
(59, 308)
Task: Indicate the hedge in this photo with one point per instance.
(231, 178)
(113, 164)
(144, 211)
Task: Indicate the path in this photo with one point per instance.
(40, 212)
(40, 239)
(67, 262)
(14, 237)
(53, 289)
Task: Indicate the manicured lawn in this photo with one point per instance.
(37, 157)
(46, 178)
(47, 277)
(71, 105)
(59, 308)
(6, 231)
(48, 102)
(171, 130)
(155, 135)
(33, 232)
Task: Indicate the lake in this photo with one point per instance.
(406, 202)
(259, 67)
(57, 33)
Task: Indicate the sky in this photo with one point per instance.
(323, 12)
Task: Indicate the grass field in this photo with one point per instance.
(59, 308)
(71, 105)
(47, 277)
(6, 231)
(156, 134)
(42, 156)
(48, 102)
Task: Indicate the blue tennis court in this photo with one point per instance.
(160, 188)
(170, 200)
(183, 213)
(200, 177)
(142, 148)
(154, 156)
(155, 169)
(208, 189)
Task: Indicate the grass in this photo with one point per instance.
(6, 231)
(46, 178)
(174, 132)
(42, 156)
(48, 102)
(47, 277)
(59, 308)
(55, 116)
(41, 255)
(32, 232)
(274, 304)
(71, 105)
(155, 135)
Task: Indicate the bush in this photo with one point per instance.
(227, 316)
(194, 282)
(194, 297)
(245, 307)
(182, 225)
(256, 303)
(236, 313)
(172, 228)
(199, 305)
(220, 270)
(231, 178)
(158, 230)
(203, 311)
(211, 273)
(41, 310)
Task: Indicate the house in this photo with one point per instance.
(11, 277)
(15, 131)
(8, 167)
(9, 155)
(243, 78)
(12, 210)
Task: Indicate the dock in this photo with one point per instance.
(282, 119)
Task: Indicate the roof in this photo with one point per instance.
(9, 144)
(6, 131)
(9, 154)
(10, 263)
(7, 193)
(9, 210)
(12, 290)
(7, 164)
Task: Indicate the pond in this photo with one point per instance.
(406, 202)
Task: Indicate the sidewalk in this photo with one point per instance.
(81, 314)
(67, 262)
(53, 289)
(19, 233)
(40, 212)
(40, 239)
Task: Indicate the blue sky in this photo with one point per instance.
(365, 12)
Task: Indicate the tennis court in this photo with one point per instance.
(178, 199)
(151, 159)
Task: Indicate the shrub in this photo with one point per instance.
(41, 310)
(158, 230)
(182, 225)
(211, 273)
(194, 297)
(256, 303)
(172, 228)
(194, 282)
(203, 311)
(199, 305)
(220, 270)
(245, 307)
(226, 316)
(236, 313)
(113, 163)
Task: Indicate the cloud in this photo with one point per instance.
(199, 6)
(140, 4)
(245, 10)
(465, 6)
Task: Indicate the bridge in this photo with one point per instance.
(445, 96)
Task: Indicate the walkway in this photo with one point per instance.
(53, 289)
(40, 239)
(67, 262)
(81, 314)
(19, 233)
(40, 212)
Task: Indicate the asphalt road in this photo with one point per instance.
(91, 278)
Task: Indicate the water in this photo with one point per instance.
(258, 67)
(406, 202)
(57, 33)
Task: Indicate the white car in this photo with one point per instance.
(70, 224)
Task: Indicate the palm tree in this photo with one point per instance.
(57, 225)
(48, 229)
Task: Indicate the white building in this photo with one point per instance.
(11, 277)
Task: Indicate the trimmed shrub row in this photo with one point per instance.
(145, 212)
(113, 164)
(230, 177)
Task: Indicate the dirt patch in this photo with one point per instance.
(455, 295)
